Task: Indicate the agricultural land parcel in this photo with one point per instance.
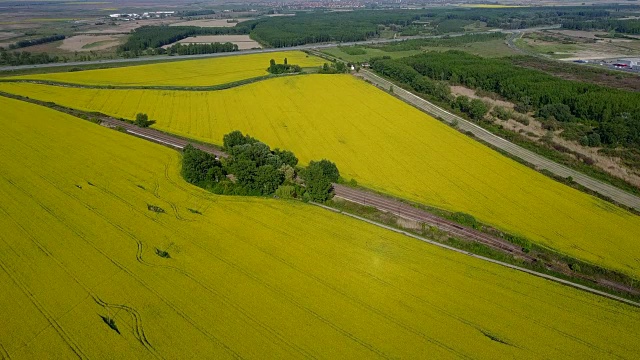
(386, 145)
(247, 277)
(203, 72)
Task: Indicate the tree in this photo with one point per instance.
(329, 169)
(477, 109)
(142, 120)
(318, 186)
(267, 179)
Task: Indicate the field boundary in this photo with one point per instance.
(514, 267)
(153, 87)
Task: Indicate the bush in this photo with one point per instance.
(142, 120)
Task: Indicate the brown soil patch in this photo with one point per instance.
(461, 90)
(83, 42)
(244, 42)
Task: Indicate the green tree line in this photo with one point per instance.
(25, 58)
(631, 26)
(38, 41)
(195, 49)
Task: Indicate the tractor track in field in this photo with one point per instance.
(4, 354)
(138, 328)
(368, 198)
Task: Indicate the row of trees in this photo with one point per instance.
(38, 41)
(613, 114)
(195, 49)
(25, 58)
(253, 168)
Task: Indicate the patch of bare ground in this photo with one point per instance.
(90, 42)
(5, 35)
(244, 42)
(211, 22)
(534, 131)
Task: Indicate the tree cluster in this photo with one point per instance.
(284, 68)
(612, 113)
(405, 74)
(337, 67)
(475, 108)
(25, 58)
(258, 170)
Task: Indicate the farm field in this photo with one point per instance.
(202, 72)
(247, 277)
(386, 145)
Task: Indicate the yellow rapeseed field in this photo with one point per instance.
(246, 277)
(386, 145)
(203, 72)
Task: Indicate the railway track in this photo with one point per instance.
(409, 212)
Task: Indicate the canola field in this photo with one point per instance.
(202, 72)
(246, 277)
(386, 145)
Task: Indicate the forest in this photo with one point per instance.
(154, 37)
(613, 114)
(631, 26)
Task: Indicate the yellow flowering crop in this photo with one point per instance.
(386, 145)
(202, 72)
(246, 277)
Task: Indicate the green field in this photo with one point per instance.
(386, 145)
(246, 277)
